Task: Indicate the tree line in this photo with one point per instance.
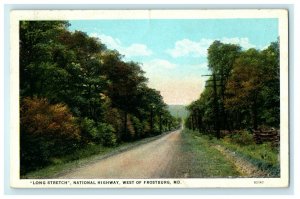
(75, 92)
(242, 91)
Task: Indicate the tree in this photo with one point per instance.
(66, 75)
(37, 39)
(125, 79)
(271, 89)
(221, 58)
(243, 89)
(201, 115)
(86, 81)
(245, 84)
(47, 131)
(254, 87)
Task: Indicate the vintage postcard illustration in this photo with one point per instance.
(149, 98)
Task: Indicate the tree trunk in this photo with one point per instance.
(199, 122)
(216, 108)
(125, 124)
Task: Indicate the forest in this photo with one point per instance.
(75, 92)
(242, 92)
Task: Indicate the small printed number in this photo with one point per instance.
(258, 182)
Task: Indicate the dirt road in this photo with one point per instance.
(150, 160)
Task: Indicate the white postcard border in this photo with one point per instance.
(18, 15)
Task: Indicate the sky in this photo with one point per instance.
(173, 52)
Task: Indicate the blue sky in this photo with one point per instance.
(173, 52)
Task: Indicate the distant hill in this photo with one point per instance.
(178, 110)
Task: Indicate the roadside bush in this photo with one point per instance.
(89, 130)
(155, 130)
(146, 129)
(46, 131)
(112, 116)
(242, 138)
(138, 127)
(107, 134)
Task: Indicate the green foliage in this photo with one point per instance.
(80, 77)
(242, 93)
(264, 156)
(146, 129)
(74, 159)
(89, 130)
(138, 127)
(241, 138)
(107, 135)
(113, 117)
(102, 133)
(207, 162)
(178, 111)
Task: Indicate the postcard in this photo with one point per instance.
(149, 98)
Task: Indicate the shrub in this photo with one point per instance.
(89, 130)
(113, 116)
(242, 138)
(46, 131)
(138, 127)
(146, 129)
(155, 130)
(107, 134)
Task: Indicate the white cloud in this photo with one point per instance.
(134, 50)
(200, 66)
(243, 42)
(186, 47)
(108, 40)
(158, 64)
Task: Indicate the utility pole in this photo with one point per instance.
(216, 107)
(215, 104)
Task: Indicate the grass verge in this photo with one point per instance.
(202, 159)
(263, 156)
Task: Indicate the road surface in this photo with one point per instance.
(154, 159)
